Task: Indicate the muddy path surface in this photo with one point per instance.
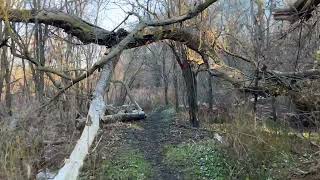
(151, 142)
(151, 137)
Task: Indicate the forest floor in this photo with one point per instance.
(164, 146)
(128, 147)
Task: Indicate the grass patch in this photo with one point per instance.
(265, 155)
(274, 159)
(168, 114)
(199, 160)
(128, 164)
(271, 151)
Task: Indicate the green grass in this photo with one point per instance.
(268, 155)
(207, 160)
(168, 114)
(199, 160)
(128, 164)
(267, 152)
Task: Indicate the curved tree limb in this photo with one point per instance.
(89, 33)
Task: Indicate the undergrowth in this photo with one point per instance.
(19, 155)
(128, 164)
(267, 151)
(199, 160)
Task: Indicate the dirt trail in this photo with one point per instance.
(151, 143)
(150, 137)
(161, 129)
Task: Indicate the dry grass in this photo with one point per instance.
(151, 98)
(269, 150)
(20, 155)
(39, 141)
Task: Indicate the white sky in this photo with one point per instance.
(112, 15)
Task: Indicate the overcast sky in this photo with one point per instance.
(112, 15)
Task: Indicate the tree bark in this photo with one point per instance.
(72, 165)
(5, 75)
(124, 117)
(190, 82)
(39, 54)
(175, 85)
(210, 92)
(191, 86)
(1, 61)
(8, 97)
(89, 33)
(120, 117)
(165, 78)
(299, 9)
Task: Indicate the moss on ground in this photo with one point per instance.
(199, 160)
(168, 114)
(128, 164)
(207, 160)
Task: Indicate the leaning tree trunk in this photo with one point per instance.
(191, 86)
(97, 108)
(8, 97)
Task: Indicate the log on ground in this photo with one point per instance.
(124, 117)
(120, 117)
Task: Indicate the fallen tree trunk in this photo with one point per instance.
(120, 117)
(124, 117)
(116, 114)
(97, 108)
(72, 166)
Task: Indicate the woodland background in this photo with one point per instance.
(262, 85)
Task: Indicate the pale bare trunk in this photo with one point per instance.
(97, 108)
